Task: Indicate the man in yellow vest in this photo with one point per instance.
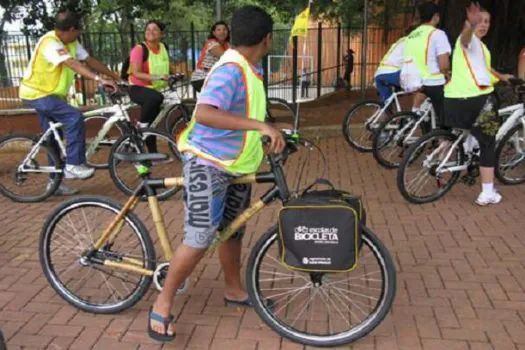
(46, 84)
(430, 50)
(222, 141)
(469, 100)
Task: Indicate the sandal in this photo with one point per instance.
(162, 337)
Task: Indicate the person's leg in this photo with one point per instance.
(437, 96)
(150, 100)
(382, 87)
(237, 200)
(205, 190)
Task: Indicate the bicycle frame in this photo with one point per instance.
(516, 112)
(148, 187)
(429, 113)
(118, 113)
(52, 131)
(393, 98)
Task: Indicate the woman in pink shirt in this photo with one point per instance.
(149, 71)
(218, 42)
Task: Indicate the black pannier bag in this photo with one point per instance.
(320, 231)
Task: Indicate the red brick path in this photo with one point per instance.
(461, 274)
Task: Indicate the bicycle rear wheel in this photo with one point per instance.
(98, 157)
(358, 129)
(332, 312)
(85, 281)
(510, 157)
(124, 174)
(28, 175)
(418, 179)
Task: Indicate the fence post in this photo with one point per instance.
(192, 33)
(132, 35)
(265, 73)
(294, 73)
(319, 57)
(338, 74)
(364, 49)
(28, 47)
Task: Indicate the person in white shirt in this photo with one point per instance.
(46, 82)
(431, 50)
(389, 71)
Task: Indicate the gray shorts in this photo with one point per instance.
(210, 203)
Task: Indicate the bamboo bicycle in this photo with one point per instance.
(107, 268)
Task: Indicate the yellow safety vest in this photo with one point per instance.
(251, 155)
(159, 64)
(385, 66)
(463, 83)
(45, 78)
(416, 49)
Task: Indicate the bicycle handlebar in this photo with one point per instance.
(174, 79)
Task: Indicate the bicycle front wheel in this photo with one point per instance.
(510, 157)
(28, 173)
(88, 282)
(340, 309)
(361, 122)
(124, 174)
(423, 177)
(99, 146)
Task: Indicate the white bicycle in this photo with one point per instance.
(362, 120)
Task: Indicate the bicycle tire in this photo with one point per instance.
(261, 308)
(125, 142)
(54, 182)
(499, 151)
(172, 118)
(347, 122)
(138, 229)
(378, 145)
(104, 143)
(407, 158)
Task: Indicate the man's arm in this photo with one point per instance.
(444, 63)
(97, 66)
(78, 67)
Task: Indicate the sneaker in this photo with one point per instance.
(486, 199)
(63, 190)
(81, 172)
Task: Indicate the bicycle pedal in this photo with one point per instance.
(468, 180)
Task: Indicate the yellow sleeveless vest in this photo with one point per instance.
(251, 155)
(463, 83)
(416, 49)
(384, 66)
(45, 78)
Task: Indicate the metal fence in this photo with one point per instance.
(314, 62)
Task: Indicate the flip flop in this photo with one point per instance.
(247, 303)
(162, 337)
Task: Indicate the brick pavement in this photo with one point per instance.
(461, 274)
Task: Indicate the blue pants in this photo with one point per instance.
(55, 109)
(384, 83)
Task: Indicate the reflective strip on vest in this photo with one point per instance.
(416, 48)
(159, 64)
(463, 83)
(46, 78)
(251, 154)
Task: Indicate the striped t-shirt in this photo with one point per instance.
(224, 90)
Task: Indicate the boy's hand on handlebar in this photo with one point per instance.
(277, 141)
(507, 77)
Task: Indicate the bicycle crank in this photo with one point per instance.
(159, 277)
